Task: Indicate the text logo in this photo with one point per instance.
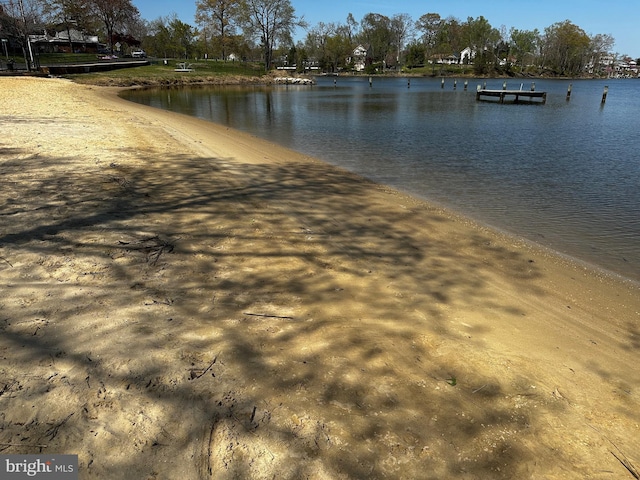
(50, 467)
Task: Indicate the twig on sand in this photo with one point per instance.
(28, 445)
(152, 246)
(7, 261)
(624, 461)
(23, 445)
(627, 464)
(53, 431)
(193, 374)
(209, 449)
(267, 316)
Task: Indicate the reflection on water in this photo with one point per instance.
(565, 174)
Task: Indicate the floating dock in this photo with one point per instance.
(517, 94)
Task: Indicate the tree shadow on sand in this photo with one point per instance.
(198, 318)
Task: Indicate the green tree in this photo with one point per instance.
(450, 37)
(524, 44)
(170, 37)
(430, 25)
(565, 48)
(483, 40)
(182, 37)
(158, 41)
(218, 17)
(316, 43)
(338, 47)
(376, 31)
(330, 45)
(416, 54)
(269, 21)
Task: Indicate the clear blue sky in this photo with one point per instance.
(619, 18)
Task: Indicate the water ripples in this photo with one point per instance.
(564, 174)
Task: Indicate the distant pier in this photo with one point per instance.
(502, 94)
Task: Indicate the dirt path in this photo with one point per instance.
(179, 300)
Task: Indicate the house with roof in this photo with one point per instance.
(444, 59)
(66, 41)
(361, 57)
(467, 55)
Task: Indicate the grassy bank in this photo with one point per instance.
(161, 73)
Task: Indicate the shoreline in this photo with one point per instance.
(182, 300)
(619, 270)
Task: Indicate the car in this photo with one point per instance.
(138, 54)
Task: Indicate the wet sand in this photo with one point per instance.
(182, 300)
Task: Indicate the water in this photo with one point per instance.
(565, 174)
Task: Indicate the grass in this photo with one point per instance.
(159, 73)
(441, 70)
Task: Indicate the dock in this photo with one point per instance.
(502, 94)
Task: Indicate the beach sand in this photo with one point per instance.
(182, 300)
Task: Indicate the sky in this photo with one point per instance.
(618, 18)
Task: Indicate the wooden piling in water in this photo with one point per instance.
(442, 84)
(569, 91)
(604, 94)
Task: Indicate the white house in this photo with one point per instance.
(360, 54)
(467, 55)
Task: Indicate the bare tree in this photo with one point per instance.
(601, 45)
(113, 14)
(402, 27)
(71, 14)
(18, 20)
(269, 21)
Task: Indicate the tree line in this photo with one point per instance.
(263, 30)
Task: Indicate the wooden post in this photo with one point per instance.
(604, 94)
(569, 91)
(408, 83)
(455, 84)
(504, 85)
(370, 82)
(533, 86)
(335, 82)
(442, 84)
(484, 85)
(466, 84)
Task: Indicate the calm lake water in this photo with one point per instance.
(565, 174)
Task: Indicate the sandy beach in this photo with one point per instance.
(179, 300)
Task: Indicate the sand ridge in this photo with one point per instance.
(181, 300)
